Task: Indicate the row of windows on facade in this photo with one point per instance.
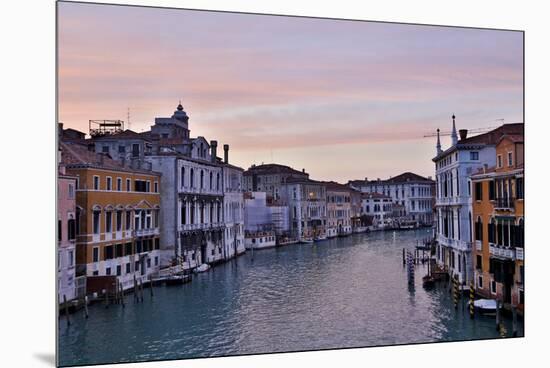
(386, 190)
(261, 240)
(474, 156)
(128, 267)
(311, 211)
(493, 285)
(198, 212)
(502, 232)
(192, 182)
(479, 267)
(143, 186)
(510, 160)
(121, 250)
(446, 185)
(339, 199)
(501, 190)
(234, 182)
(70, 259)
(122, 149)
(143, 219)
(71, 229)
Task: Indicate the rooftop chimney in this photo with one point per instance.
(60, 130)
(226, 153)
(303, 170)
(463, 133)
(214, 150)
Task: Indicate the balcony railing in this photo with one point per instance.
(519, 254)
(146, 232)
(200, 226)
(502, 252)
(504, 203)
(459, 245)
(478, 245)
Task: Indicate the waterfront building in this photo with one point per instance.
(201, 195)
(358, 220)
(66, 235)
(128, 147)
(117, 225)
(498, 223)
(453, 194)
(233, 203)
(380, 208)
(306, 201)
(338, 203)
(261, 215)
(269, 178)
(414, 192)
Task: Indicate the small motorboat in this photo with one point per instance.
(428, 282)
(177, 279)
(320, 238)
(486, 306)
(306, 241)
(203, 268)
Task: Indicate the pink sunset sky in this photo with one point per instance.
(342, 99)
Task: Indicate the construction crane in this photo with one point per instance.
(470, 131)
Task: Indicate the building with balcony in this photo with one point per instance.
(66, 236)
(413, 192)
(269, 178)
(307, 207)
(453, 168)
(379, 207)
(498, 223)
(338, 209)
(233, 203)
(117, 227)
(201, 195)
(359, 221)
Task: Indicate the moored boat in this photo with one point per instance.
(486, 306)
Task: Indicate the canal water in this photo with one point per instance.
(342, 292)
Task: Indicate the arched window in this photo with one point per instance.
(202, 179)
(218, 181)
(479, 229)
(192, 178)
(182, 176)
(71, 231)
(211, 181)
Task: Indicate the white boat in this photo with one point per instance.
(202, 268)
(320, 238)
(486, 306)
(306, 240)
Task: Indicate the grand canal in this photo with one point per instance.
(343, 292)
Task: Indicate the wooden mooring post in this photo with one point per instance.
(497, 314)
(514, 321)
(86, 306)
(66, 309)
(135, 289)
(472, 299)
(404, 261)
(121, 295)
(151, 286)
